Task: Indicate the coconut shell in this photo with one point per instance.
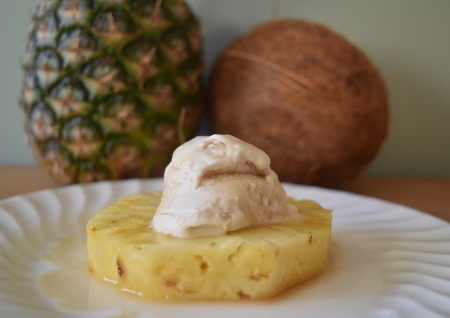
(306, 96)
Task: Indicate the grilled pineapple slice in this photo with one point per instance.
(252, 263)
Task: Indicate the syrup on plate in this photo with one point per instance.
(347, 285)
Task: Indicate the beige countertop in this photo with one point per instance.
(430, 195)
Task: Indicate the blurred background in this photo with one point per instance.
(408, 40)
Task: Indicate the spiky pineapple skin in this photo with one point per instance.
(252, 263)
(111, 87)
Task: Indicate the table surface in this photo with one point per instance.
(429, 195)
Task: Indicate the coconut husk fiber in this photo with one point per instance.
(303, 94)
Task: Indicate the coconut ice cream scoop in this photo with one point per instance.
(218, 184)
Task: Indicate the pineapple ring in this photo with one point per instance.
(252, 263)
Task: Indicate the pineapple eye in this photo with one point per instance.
(48, 60)
(30, 91)
(41, 122)
(30, 81)
(76, 44)
(158, 84)
(77, 37)
(81, 6)
(161, 126)
(49, 23)
(179, 8)
(157, 12)
(31, 45)
(162, 91)
(69, 89)
(81, 136)
(144, 7)
(121, 113)
(175, 38)
(52, 146)
(90, 171)
(121, 144)
(71, 11)
(46, 29)
(125, 153)
(114, 23)
(102, 67)
(176, 45)
(42, 8)
(190, 74)
(144, 50)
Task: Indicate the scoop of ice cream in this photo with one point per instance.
(218, 184)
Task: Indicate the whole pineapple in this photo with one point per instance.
(111, 87)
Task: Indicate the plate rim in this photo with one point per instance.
(157, 182)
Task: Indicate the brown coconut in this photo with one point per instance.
(306, 96)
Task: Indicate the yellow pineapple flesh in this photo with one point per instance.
(253, 263)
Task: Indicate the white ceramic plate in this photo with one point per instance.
(386, 261)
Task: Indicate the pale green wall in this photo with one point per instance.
(408, 40)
